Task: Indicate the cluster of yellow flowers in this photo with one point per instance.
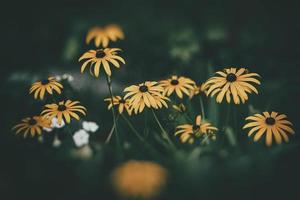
(62, 110)
(233, 84)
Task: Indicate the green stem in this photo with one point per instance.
(115, 129)
(111, 132)
(202, 107)
(133, 129)
(164, 132)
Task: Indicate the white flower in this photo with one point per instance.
(58, 78)
(90, 126)
(47, 129)
(69, 77)
(81, 138)
(55, 123)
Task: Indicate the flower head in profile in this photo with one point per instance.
(198, 90)
(49, 85)
(102, 35)
(139, 179)
(32, 125)
(232, 83)
(180, 85)
(147, 94)
(188, 132)
(64, 111)
(95, 59)
(81, 138)
(120, 102)
(269, 124)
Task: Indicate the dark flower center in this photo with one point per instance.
(270, 121)
(45, 82)
(100, 54)
(196, 127)
(143, 88)
(61, 108)
(122, 101)
(231, 77)
(32, 122)
(174, 82)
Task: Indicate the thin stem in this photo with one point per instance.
(111, 132)
(163, 131)
(115, 129)
(132, 128)
(202, 106)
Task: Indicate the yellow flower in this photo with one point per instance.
(34, 125)
(232, 82)
(40, 87)
(273, 124)
(145, 94)
(198, 89)
(96, 58)
(139, 179)
(179, 108)
(66, 110)
(190, 131)
(121, 103)
(104, 35)
(179, 85)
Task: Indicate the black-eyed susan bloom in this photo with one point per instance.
(146, 94)
(120, 102)
(139, 179)
(269, 124)
(180, 85)
(94, 59)
(232, 83)
(103, 35)
(39, 88)
(32, 125)
(64, 109)
(198, 90)
(188, 132)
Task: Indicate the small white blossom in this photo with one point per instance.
(90, 126)
(47, 129)
(69, 77)
(81, 138)
(58, 78)
(55, 123)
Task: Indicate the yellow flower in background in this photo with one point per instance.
(198, 90)
(139, 179)
(66, 110)
(102, 36)
(101, 57)
(145, 94)
(232, 82)
(33, 125)
(120, 102)
(188, 132)
(180, 85)
(114, 32)
(273, 124)
(39, 88)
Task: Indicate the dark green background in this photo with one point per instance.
(39, 38)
